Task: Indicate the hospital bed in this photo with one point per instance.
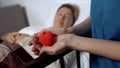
(13, 18)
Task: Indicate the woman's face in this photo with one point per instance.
(63, 18)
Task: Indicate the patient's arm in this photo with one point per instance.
(14, 37)
(10, 37)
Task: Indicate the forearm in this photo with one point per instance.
(81, 29)
(109, 49)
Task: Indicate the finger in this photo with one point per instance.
(13, 39)
(42, 51)
(34, 40)
(36, 35)
(9, 40)
(36, 48)
(36, 53)
(30, 43)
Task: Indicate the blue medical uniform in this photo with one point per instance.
(105, 22)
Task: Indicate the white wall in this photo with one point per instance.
(39, 11)
(35, 9)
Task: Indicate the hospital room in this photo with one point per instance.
(25, 18)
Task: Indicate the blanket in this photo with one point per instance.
(12, 55)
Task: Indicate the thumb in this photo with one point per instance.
(46, 49)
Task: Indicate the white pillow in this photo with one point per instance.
(31, 29)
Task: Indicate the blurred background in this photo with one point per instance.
(42, 11)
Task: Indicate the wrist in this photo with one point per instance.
(71, 41)
(68, 30)
(76, 43)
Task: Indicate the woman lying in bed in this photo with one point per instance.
(65, 17)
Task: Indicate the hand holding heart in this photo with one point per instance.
(47, 39)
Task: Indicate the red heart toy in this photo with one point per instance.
(47, 39)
